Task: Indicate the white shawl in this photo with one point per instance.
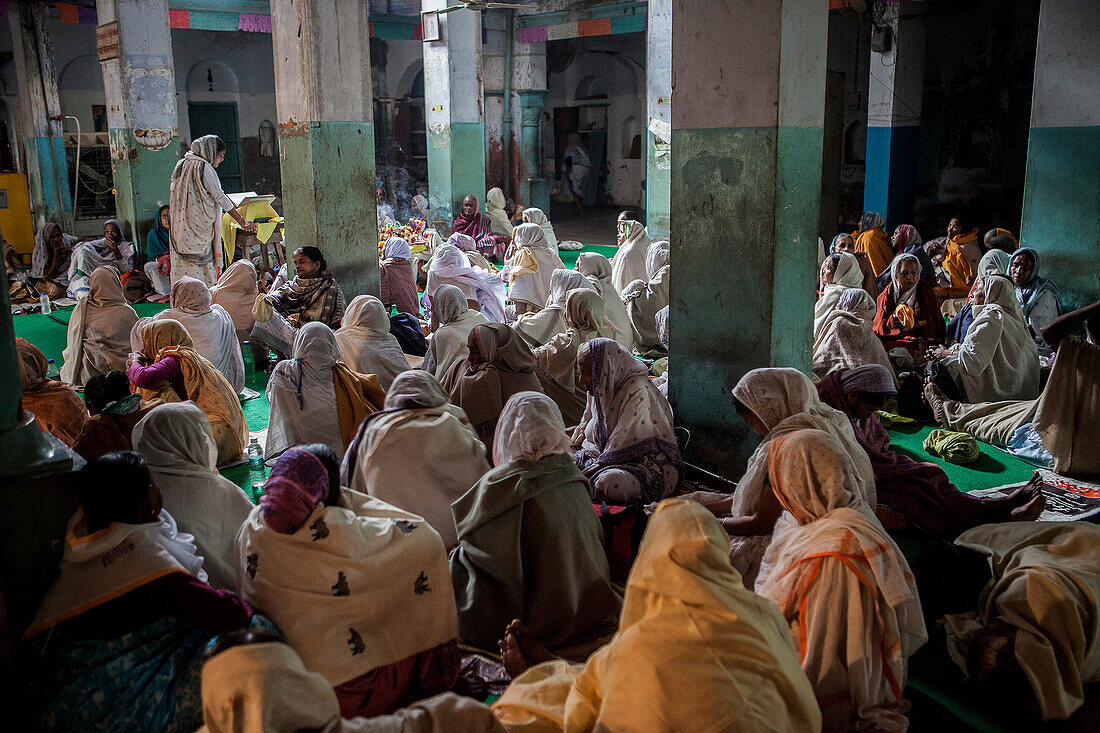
(536, 216)
(846, 275)
(541, 327)
(450, 266)
(359, 586)
(526, 285)
(450, 342)
(629, 262)
(211, 328)
(366, 342)
(196, 231)
(302, 394)
(178, 447)
(236, 292)
(597, 268)
(847, 339)
(99, 330)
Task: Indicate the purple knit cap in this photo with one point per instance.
(298, 482)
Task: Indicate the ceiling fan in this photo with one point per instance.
(479, 5)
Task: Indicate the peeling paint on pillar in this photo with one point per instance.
(142, 177)
(328, 198)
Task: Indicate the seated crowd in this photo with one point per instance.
(426, 511)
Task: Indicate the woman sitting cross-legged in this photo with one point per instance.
(541, 327)
(419, 453)
(908, 315)
(169, 368)
(597, 269)
(357, 586)
(313, 296)
(365, 340)
(695, 649)
(530, 268)
(499, 365)
(99, 330)
(556, 362)
(847, 339)
(397, 276)
(55, 405)
(211, 329)
(644, 298)
(775, 401)
(842, 584)
(624, 443)
(452, 319)
(236, 292)
(178, 447)
(315, 398)
(909, 492)
(129, 615)
(529, 545)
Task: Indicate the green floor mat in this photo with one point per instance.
(569, 257)
(994, 467)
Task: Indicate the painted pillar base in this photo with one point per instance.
(328, 197)
(534, 190)
(456, 167)
(141, 163)
(34, 453)
(48, 180)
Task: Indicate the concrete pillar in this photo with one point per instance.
(454, 111)
(1061, 204)
(747, 119)
(893, 118)
(658, 83)
(40, 114)
(534, 189)
(142, 118)
(326, 134)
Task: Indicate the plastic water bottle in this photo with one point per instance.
(256, 466)
(47, 307)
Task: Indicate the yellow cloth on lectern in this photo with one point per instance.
(251, 211)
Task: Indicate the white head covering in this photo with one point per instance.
(464, 242)
(846, 275)
(656, 257)
(597, 268)
(211, 328)
(531, 236)
(302, 394)
(178, 447)
(539, 328)
(236, 292)
(531, 283)
(999, 291)
(396, 248)
(448, 303)
(494, 209)
(450, 266)
(98, 331)
(530, 427)
(365, 340)
(413, 389)
(629, 262)
(847, 339)
(909, 297)
(661, 320)
(536, 216)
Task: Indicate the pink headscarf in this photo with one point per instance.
(298, 482)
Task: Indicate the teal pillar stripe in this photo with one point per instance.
(328, 198)
(798, 199)
(1061, 208)
(53, 177)
(657, 191)
(456, 166)
(142, 178)
(628, 24)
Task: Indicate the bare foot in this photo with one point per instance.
(935, 399)
(1030, 511)
(520, 650)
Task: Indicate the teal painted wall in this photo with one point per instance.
(328, 198)
(1061, 208)
(143, 179)
(456, 166)
(657, 192)
(48, 178)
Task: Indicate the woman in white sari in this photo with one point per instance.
(530, 268)
(178, 447)
(847, 338)
(419, 454)
(110, 250)
(468, 246)
(456, 319)
(197, 202)
(99, 330)
(597, 268)
(628, 264)
(556, 362)
(838, 273)
(843, 585)
(483, 290)
(645, 297)
(536, 216)
(541, 327)
(366, 342)
(211, 329)
(775, 401)
(998, 359)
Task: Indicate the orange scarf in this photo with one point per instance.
(357, 396)
(876, 245)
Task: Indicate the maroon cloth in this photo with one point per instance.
(928, 311)
(180, 595)
(297, 484)
(385, 689)
(918, 492)
(399, 286)
(166, 370)
(476, 226)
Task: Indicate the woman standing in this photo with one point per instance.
(197, 202)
